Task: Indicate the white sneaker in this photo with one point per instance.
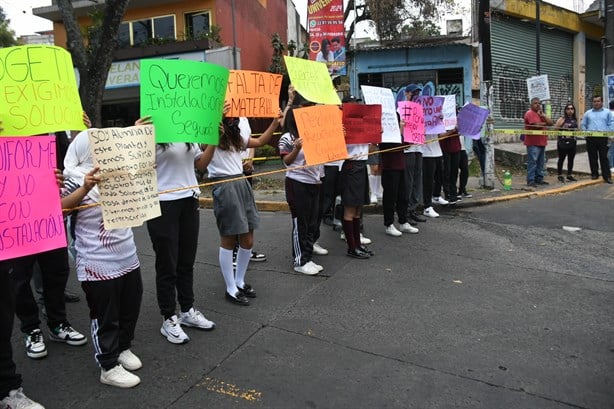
(363, 240)
(316, 266)
(319, 250)
(65, 333)
(196, 319)
(35, 344)
(408, 228)
(129, 361)
(430, 212)
(440, 200)
(612, 170)
(17, 400)
(118, 376)
(171, 329)
(392, 231)
(373, 199)
(307, 269)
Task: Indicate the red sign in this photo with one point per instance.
(327, 34)
(362, 123)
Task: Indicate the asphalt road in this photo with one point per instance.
(489, 307)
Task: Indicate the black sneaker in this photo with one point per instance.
(357, 253)
(571, 178)
(416, 217)
(542, 183)
(257, 256)
(561, 179)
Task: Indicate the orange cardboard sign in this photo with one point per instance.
(321, 129)
(253, 94)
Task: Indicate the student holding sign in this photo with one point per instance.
(107, 267)
(174, 236)
(233, 203)
(303, 196)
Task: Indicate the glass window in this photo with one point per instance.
(164, 27)
(198, 24)
(123, 35)
(141, 32)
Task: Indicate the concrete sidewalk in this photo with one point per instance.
(275, 200)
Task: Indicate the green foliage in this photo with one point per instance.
(7, 36)
(266, 151)
(277, 63)
(393, 19)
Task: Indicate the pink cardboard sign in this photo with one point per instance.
(30, 211)
(413, 116)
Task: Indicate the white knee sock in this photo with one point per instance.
(227, 271)
(243, 257)
(378, 186)
(372, 187)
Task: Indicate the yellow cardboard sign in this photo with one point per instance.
(38, 91)
(312, 80)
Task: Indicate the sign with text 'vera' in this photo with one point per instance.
(38, 91)
(129, 185)
(184, 98)
(253, 94)
(31, 218)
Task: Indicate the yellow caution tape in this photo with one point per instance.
(555, 132)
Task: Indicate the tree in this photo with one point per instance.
(395, 18)
(91, 57)
(7, 36)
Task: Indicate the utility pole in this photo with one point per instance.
(537, 37)
(609, 38)
(486, 89)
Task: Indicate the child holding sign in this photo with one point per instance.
(303, 197)
(233, 203)
(107, 267)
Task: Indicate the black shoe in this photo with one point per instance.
(532, 184)
(357, 253)
(594, 177)
(412, 222)
(561, 179)
(257, 257)
(608, 181)
(71, 297)
(571, 178)
(238, 298)
(366, 250)
(416, 217)
(542, 183)
(247, 291)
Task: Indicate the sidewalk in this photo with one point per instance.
(275, 199)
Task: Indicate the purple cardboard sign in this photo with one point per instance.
(433, 113)
(471, 118)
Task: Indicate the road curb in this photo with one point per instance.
(274, 206)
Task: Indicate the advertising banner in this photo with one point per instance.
(326, 34)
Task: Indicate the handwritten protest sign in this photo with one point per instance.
(471, 119)
(129, 185)
(538, 87)
(433, 113)
(30, 212)
(362, 123)
(322, 132)
(253, 94)
(413, 116)
(184, 98)
(449, 112)
(384, 97)
(38, 91)
(312, 80)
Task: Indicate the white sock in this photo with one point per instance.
(227, 271)
(372, 185)
(378, 186)
(243, 257)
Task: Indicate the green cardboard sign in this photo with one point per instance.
(184, 98)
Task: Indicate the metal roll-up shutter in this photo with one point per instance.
(513, 61)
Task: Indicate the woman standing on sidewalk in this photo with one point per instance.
(566, 145)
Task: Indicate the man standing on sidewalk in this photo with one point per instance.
(534, 119)
(598, 119)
